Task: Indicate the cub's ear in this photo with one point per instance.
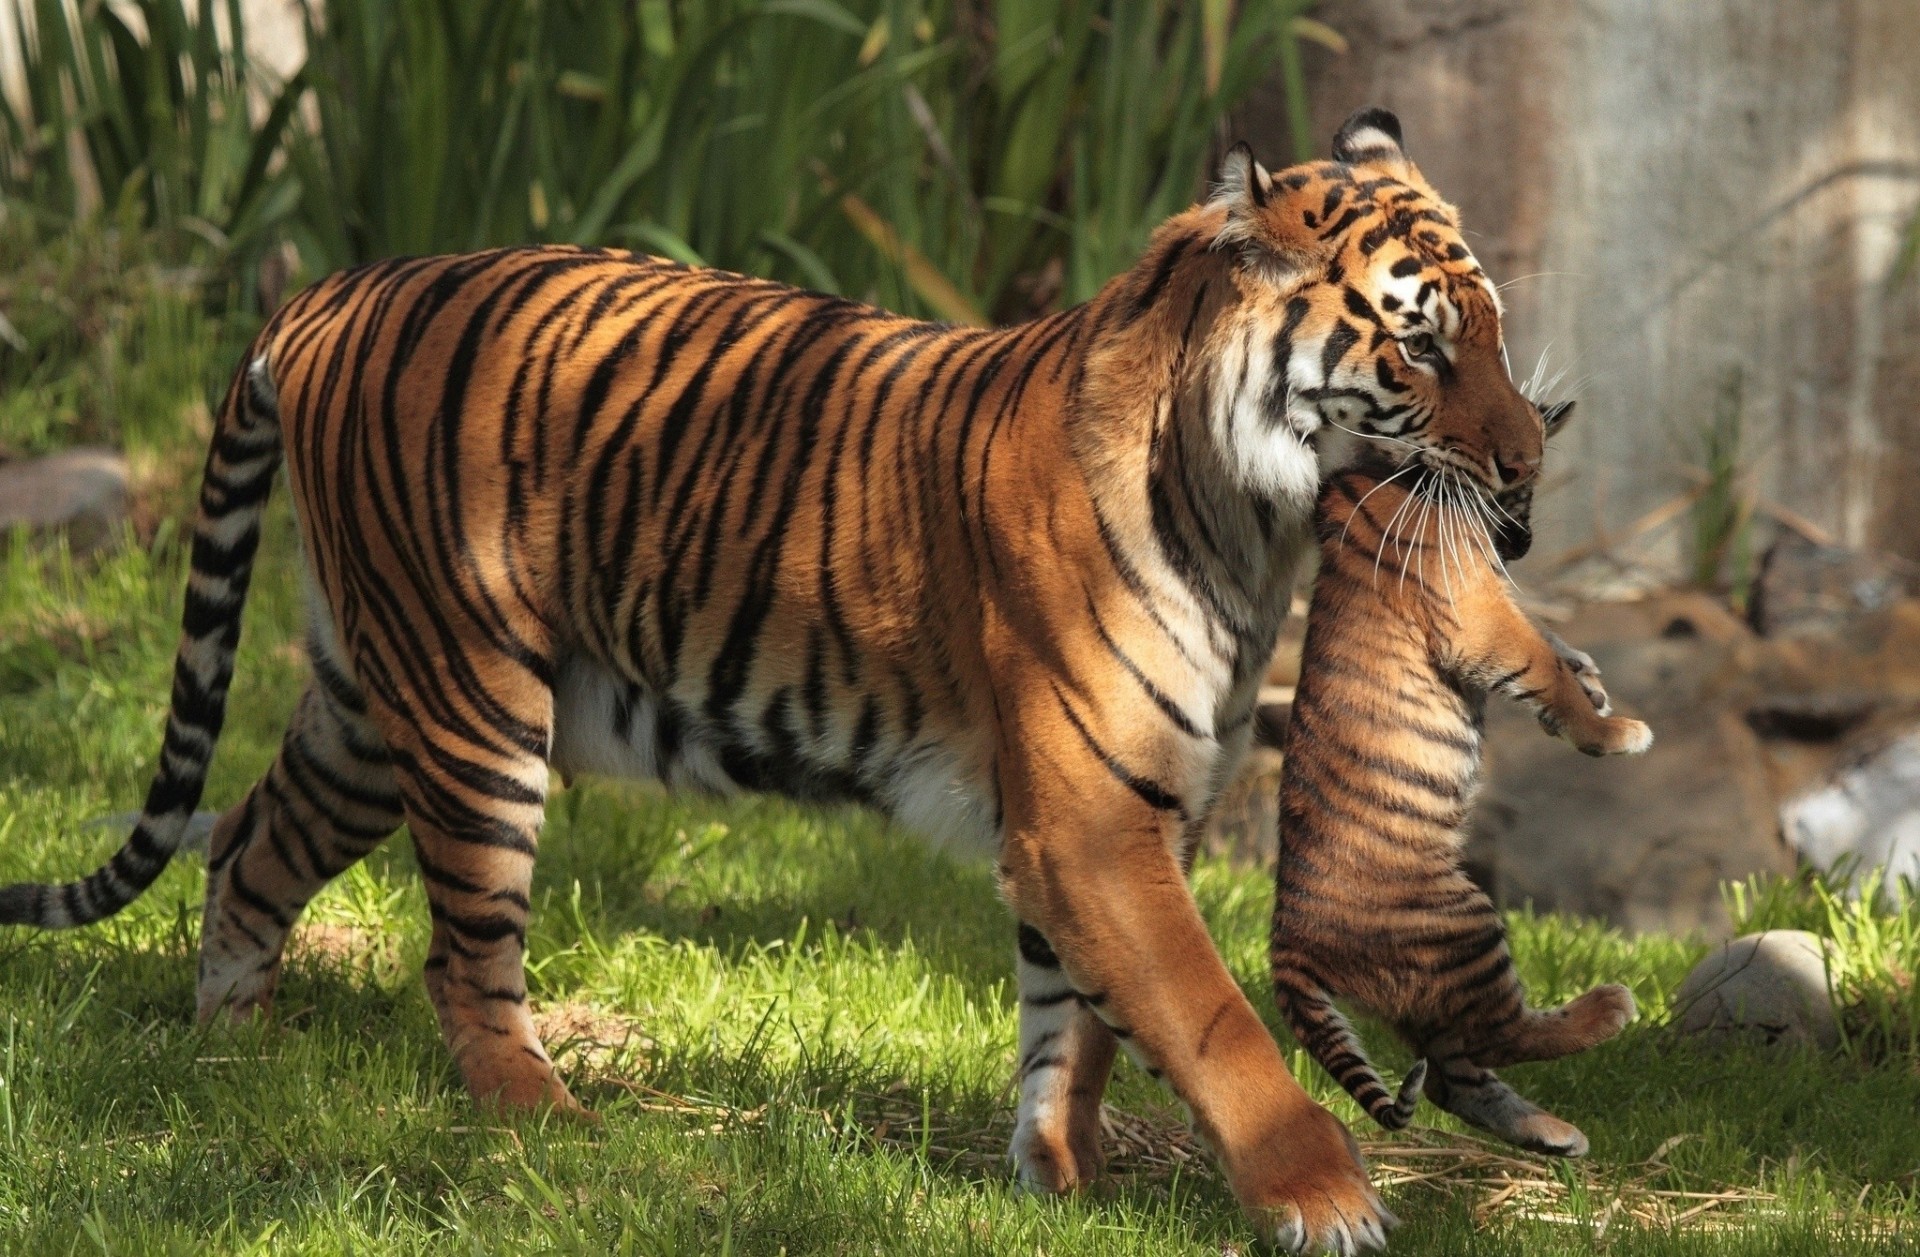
(1555, 417)
(1250, 197)
(1371, 137)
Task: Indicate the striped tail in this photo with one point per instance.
(1320, 1028)
(233, 496)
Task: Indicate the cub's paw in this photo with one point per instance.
(1584, 670)
(1316, 1197)
(1546, 1134)
(1603, 1012)
(1616, 735)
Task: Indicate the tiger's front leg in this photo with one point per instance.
(1066, 1057)
(1095, 870)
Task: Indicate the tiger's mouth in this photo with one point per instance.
(1453, 483)
(1510, 531)
(1512, 537)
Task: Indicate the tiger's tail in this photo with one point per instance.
(241, 462)
(1320, 1028)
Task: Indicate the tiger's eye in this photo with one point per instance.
(1418, 345)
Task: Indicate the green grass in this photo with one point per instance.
(798, 1025)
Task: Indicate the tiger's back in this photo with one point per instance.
(671, 549)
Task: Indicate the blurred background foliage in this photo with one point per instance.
(970, 160)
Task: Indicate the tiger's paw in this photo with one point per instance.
(1313, 1196)
(1055, 1161)
(1602, 1012)
(1615, 735)
(515, 1083)
(1546, 1134)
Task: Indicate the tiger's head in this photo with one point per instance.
(1363, 320)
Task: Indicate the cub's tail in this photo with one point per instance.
(241, 464)
(1320, 1028)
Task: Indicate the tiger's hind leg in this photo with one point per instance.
(471, 765)
(328, 800)
(1479, 1098)
(1545, 1035)
(1066, 1057)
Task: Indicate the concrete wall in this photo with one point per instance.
(1676, 190)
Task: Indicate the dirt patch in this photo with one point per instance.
(343, 946)
(592, 1044)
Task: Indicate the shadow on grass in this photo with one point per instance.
(745, 873)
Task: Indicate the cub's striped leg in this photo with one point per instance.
(328, 800)
(1066, 1055)
(1546, 1035)
(474, 792)
(1478, 1097)
(1324, 1032)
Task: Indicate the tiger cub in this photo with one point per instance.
(1411, 626)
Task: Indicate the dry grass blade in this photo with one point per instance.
(1512, 1186)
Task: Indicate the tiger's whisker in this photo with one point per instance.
(1347, 527)
(1451, 533)
(1533, 387)
(1373, 436)
(1418, 503)
(1484, 522)
(1419, 535)
(1534, 275)
(1387, 534)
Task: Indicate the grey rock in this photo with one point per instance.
(83, 491)
(1772, 987)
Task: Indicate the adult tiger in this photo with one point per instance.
(580, 510)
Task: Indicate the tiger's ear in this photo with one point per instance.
(1555, 417)
(1371, 137)
(1248, 194)
(1244, 186)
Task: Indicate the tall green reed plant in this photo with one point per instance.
(1722, 515)
(964, 160)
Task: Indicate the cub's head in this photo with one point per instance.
(1362, 321)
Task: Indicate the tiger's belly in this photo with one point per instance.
(607, 725)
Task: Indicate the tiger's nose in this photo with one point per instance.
(1513, 469)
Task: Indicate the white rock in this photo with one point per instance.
(1772, 986)
(1865, 817)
